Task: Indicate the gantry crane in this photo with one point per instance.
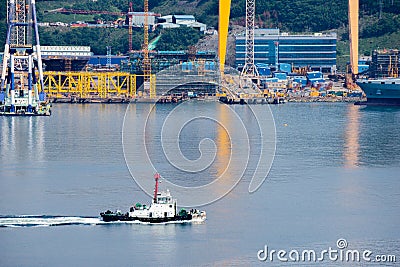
(250, 69)
(146, 59)
(353, 31)
(223, 25)
(130, 10)
(148, 86)
(353, 37)
(19, 89)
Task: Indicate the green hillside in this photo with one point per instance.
(379, 25)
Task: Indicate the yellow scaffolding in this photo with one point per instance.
(152, 86)
(94, 84)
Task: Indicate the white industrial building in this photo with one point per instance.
(194, 24)
(82, 51)
(168, 25)
(176, 21)
(138, 18)
(179, 18)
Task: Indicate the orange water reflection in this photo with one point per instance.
(352, 145)
(223, 142)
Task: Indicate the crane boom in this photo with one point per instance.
(353, 32)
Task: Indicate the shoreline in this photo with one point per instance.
(305, 99)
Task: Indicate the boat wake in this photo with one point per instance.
(46, 221)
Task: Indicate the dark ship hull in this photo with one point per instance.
(382, 92)
(109, 216)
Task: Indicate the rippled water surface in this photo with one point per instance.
(335, 175)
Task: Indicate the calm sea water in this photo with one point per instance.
(335, 175)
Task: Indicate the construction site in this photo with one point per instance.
(33, 76)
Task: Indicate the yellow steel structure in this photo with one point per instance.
(353, 31)
(152, 85)
(146, 58)
(94, 84)
(224, 12)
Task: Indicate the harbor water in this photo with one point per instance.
(335, 175)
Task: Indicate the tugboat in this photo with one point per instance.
(162, 209)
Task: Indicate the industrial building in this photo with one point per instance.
(176, 21)
(385, 63)
(161, 60)
(316, 51)
(176, 18)
(138, 18)
(65, 58)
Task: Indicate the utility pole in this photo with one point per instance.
(130, 10)
(109, 57)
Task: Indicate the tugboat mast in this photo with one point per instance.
(156, 177)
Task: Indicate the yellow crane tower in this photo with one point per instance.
(353, 31)
(223, 24)
(353, 37)
(149, 86)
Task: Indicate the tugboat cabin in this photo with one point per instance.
(163, 206)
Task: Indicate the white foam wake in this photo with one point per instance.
(46, 221)
(43, 221)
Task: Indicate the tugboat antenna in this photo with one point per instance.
(156, 177)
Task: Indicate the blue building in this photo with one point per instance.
(271, 47)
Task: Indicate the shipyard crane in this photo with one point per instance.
(250, 69)
(353, 32)
(223, 24)
(146, 59)
(19, 89)
(130, 10)
(353, 37)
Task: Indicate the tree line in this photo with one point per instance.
(293, 16)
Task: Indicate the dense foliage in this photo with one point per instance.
(3, 25)
(379, 24)
(310, 15)
(385, 25)
(178, 39)
(97, 38)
